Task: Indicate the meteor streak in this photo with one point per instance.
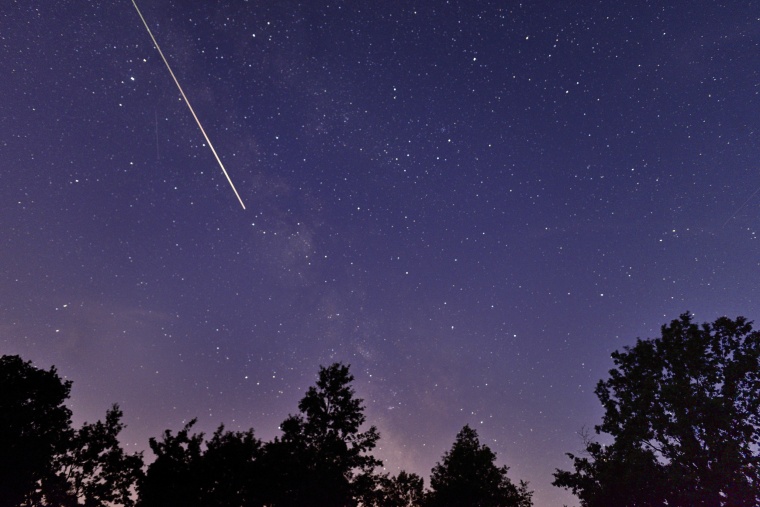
(740, 207)
(155, 43)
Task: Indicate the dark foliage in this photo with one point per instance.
(94, 468)
(46, 462)
(34, 426)
(684, 413)
(190, 472)
(609, 475)
(382, 490)
(468, 477)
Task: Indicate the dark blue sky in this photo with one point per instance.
(472, 203)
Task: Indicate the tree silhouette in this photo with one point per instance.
(94, 467)
(34, 426)
(322, 457)
(468, 477)
(609, 475)
(684, 413)
(190, 472)
(173, 479)
(232, 469)
(46, 462)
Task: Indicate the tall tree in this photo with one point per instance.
(684, 414)
(43, 460)
(468, 477)
(35, 425)
(322, 458)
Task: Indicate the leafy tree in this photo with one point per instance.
(174, 476)
(468, 477)
(34, 426)
(44, 461)
(94, 467)
(322, 457)
(186, 474)
(684, 412)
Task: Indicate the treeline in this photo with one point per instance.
(323, 458)
(682, 412)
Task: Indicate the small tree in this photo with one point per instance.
(684, 413)
(468, 477)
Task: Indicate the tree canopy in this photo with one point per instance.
(323, 457)
(683, 411)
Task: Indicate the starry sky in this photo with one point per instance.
(473, 203)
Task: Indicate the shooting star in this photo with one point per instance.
(741, 207)
(155, 43)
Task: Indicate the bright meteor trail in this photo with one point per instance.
(188, 104)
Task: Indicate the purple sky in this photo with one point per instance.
(473, 203)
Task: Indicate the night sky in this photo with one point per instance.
(472, 203)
